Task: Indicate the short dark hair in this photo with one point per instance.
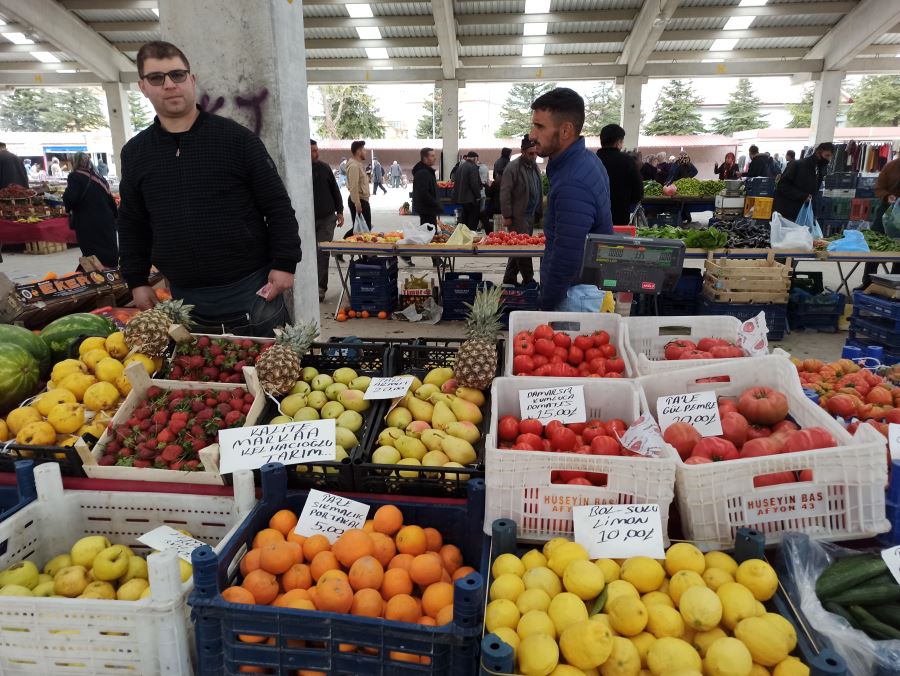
(790, 153)
(471, 153)
(356, 145)
(828, 145)
(753, 150)
(157, 49)
(564, 104)
(424, 153)
(611, 134)
(312, 142)
(505, 152)
(527, 143)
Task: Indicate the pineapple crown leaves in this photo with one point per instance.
(483, 318)
(176, 311)
(298, 336)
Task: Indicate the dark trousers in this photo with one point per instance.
(470, 215)
(376, 185)
(324, 233)
(515, 266)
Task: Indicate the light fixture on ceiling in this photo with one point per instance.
(368, 32)
(45, 57)
(359, 11)
(533, 50)
(537, 6)
(65, 71)
(538, 28)
(377, 53)
(752, 3)
(18, 38)
(155, 11)
(739, 23)
(723, 45)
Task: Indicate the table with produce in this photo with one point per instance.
(595, 494)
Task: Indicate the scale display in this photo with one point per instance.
(636, 264)
(631, 254)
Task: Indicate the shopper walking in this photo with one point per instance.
(683, 168)
(887, 189)
(102, 168)
(728, 170)
(467, 189)
(501, 164)
(12, 169)
(761, 164)
(801, 180)
(377, 177)
(424, 193)
(577, 204)
(626, 189)
(342, 172)
(328, 206)
(521, 203)
(648, 168)
(789, 157)
(358, 184)
(395, 173)
(92, 211)
(202, 201)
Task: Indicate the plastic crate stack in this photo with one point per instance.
(373, 284)
(847, 197)
(811, 306)
(458, 289)
(519, 298)
(892, 508)
(683, 300)
(876, 322)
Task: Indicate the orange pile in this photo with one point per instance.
(386, 569)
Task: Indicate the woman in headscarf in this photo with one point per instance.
(728, 169)
(92, 211)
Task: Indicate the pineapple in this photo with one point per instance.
(148, 331)
(476, 363)
(279, 367)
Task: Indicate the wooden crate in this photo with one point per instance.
(45, 247)
(747, 281)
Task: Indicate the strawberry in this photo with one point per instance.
(223, 377)
(113, 447)
(153, 392)
(223, 396)
(160, 417)
(144, 426)
(106, 461)
(235, 378)
(177, 465)
(132, 423)
(205, 414)
(177, 425)
(180, 415)
(233, 417)
(174, 404)
(198, 444)
(245, 409)
(197, 431)
(146, 453)
(248, 398)
(203, 342)
(239, 366)
(215, 350)
(125, 452)
(223, 409)
(177, 373)
(209, 373)
(198, 405)
(166, 436)
(191, 466)
(171, 452)
(197, 362)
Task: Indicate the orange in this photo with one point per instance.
(352, 314)
(404, 657)
(444, 616)
(368, 603)
(365, 314)
(369, 526)
(426, 569)
(296, 598)
(437, 596)
(388, 519)
(330, 574)
(334, 595)
(277, 557)
(284, 521)
(312, 595)
(314, 545)
(428, 621)
(267, 536)
(341, 317)
(451, 557)
(352, 545)
(297, 576)
(296, 550)
(382, 315)
(294, 537)
(411, 540)
(433, 539)
(402, 608)
(238, 595)
(395, 582)
(366, 572)
(250, 561)
(346, 647)
(445, 576)
(403, 561)
(383, 548)
(262, 585)
(321, 562)
(462, 572)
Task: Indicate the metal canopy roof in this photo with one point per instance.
(58, 42)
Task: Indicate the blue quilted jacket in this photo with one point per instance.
(578, 204)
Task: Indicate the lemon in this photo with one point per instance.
(90, 344)
(115, 345)
(759, 670)
(716, 577)
(566, 670)
(566, 609)
(664, 621)
(586, 644)
(684, 556)
(19, 417)
(66, 367)
(670, 654)
(94, 357)
(501, 613)
(551, 545)
(47, 400)
(727, 657)
(766, 641)
(507, 586)
(38, 433)
(642, 642)
(108, 369)
(538, 655)
(542, 578)
(683, 672)
(565, 554)
(704, 639)
(627, 615)
(533, 599)
(701, 608)
(737, 604)
(681, 581)
(142, 359)
(4, 430)
(535, 622)
(95, 428)
(657, 598)
(507, 563)
(583, 579)
(618, 588)
(509, 637)
(604, 618)
(123, 385)
(77, 383)
(101, 397)
(759, 577)
(644, 573)
(623, 660)
(610, 569)
(722, 561)
(688, 635)
(534, 559)
(783, 626)
(66, 418)
(791, 667)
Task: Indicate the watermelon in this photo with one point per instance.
(61, 333)
(30, 342)
(19, 376)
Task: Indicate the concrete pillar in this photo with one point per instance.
(250, 63)
(119, 120)
(631, 109)
(450, 121)
(825, 107)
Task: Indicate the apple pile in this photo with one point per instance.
(505, 238)
(544, 352)
(217, 360)
(705, 348)
(755, 424)
(168, 429)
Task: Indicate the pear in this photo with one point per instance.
(386, 455)
(471, 394)
(300, 387)
(399, 417)
(316, 399)
(332, 410)
(146, 593)
(434, 459)
(281, 420)
(56, 564)
(137, 568)
(308, 373)
(432, 439)
(98, 590)
(353, 401)
(84, 551)
(346, 438)
(322, 381)
(15, 590)
(466, 410)
(23, 574)
(411, 448)
(454, 476)
(438, 376)
(132, 590)
(421, 410)
(345, 375)
(111, 563)
(351, 420)
(441, 396)
(44, 589)
(292, 403)
(409, 461)
(43, 577)
(306, 413)
(450, 386)
(389, 436)
(415, 385)
(416, 427)
(70, 581)
(442, 417)
(464, 429)
(333, 390)
(459, 450)
(360, 383)
(426, 391)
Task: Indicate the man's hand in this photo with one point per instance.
(340, 220)
(279, 282)
(144, 297)
(507, 222)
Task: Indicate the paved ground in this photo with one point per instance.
(21, 267)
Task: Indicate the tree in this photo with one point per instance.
(741, 112)
(516, 113)
(74, 110)
(349, 112)
(429, 127)
(876, 102)
(603, 107)
(140, 118)
(24, 110)
(676, 112)
(801, 113)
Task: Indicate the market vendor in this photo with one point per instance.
(201, 200)
(887, 190)
(577, 204)
(800, 181)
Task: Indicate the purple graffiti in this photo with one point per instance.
(255, 104)
(210, 106)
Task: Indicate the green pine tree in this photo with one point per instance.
(603, 107)
(876, 102)
(349, 113)
(75, 109)
(24, 110)
(741, 112)
(427, 127)
(140, 116)
(801, 113)
(676, 111)
(516, 113)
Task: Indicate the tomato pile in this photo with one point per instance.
(511, 238)
(545, 352)
(754, 424)
(705, 348)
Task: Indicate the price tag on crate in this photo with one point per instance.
(388, 388)
(644, 437)
(892, 559)
(700, 410)
(619, 531)
(753, 336)
(166, 538)
(289, 444)
(894, 440)
(565, 404)
(330, 515)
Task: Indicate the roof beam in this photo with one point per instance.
(353, 75)
(80, 78)
(552, 17)
(421, 62)
(79, 5)
(537, 61)
(881, 49)
(648, 26)
(445, 28)
(551, 39)
(70, 34)
(348, 43)
(10, 48)
(750, 33)
(35, 66)
(856, 31)
(787, 9)
(737, 54)
(732, 68)
(125, 26)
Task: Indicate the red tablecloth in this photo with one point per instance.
(51, 230)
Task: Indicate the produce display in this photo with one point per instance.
(707, 238)
(877, 241)
(212, 359)
(510, 238)
(653, 189)
(705, 348)
(690, 613)
(545, 352)
(60, 334)
(744, 233)
(692, 187)
(375, 237)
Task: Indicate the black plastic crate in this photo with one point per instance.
(811, 282)
(802, 303)
(760, 186)
(841, 179)
(865, 186)
(776, 314)
(827, 323)
(832, 227)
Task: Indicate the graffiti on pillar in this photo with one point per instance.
(210, 106)
(253, 104)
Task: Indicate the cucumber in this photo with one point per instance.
(869, 595)
(872, 626)
(889, 614)
(838, 609)
(848, 572)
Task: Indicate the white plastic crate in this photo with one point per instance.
(519, 482)
(53, 636)
(843, 501)
(574, 324)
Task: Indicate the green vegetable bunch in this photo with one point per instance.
(652, 189)
(708, 238)
(877, 241)
(692, 187)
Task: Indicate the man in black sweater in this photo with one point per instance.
(201, 200)
(12, 170)
(626, 188)
(329, 211)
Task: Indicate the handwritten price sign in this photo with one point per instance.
(565, 404)
(700, 410)
(892, 559)
(330, 515)
(166, 538)
(289, 444)
(619, 531)
(388, 388)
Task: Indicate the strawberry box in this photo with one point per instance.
(214, 358)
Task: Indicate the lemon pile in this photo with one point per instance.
(688, 615)
(81, 397)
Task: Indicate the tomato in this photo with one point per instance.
(544, 347)
(524, 335)
(727, 405)
(756, 448)
(531, 426)
(716, 449)
(578, 428)
(597, 365)
(697, 460)
(616, 365)
(576, 355)
(683, 437)
(523, 365)
(543, 331)
(786, 425)
(593, 428)
(893, 416)
(726, 351)
(842, 405)
(706, 343)
(600, 338)
(530, 441)
(880, 396)
(605, 446)
(551, 427)
(542, 371)
(562, 340)
(563, 439)
(608, 350)
(774, 479)
(615, 427)
(673, 349)
(597, 478)
(592, 353)
(694, 354)
(539, 360)
(508, 428)
(757, 432)
(584, 343)
(561, 352)
(763, 405)
(809, 439)
(579, 481)
(734, 428)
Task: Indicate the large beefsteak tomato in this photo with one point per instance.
(763, 405)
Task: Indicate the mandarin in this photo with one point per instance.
(267, 536)
(411, 540)
(383, 548)
(263, 585)
(402, 608)
(315, 544)
(462, 572)
(297, 576)
(296, 598)
(296, 537)
(403, 561)
(238, 595)
(396, 581)
(334, 595)
(366, 571)
(367, 603)
(428, 621)
(352, 545)
(444, 616)
(276, 557)
(438, 596)
(296, 550)
(322, 562)
(250, 561)
(404, 657)
(433, 539)
(284, 521)
(369, 526)
(388, 519)
(426, 569)
(452, 558)
(333, 574)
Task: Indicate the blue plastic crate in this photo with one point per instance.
(776, 315)
(802, 303)
(892, 513)
(865, 186)
(823, 323)
(877, 319)
(841, 179)
(875, 331)
(14, 498)
(688, 286)
(885, 307)
(857, 339)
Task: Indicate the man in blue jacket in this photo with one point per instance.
(577, 204)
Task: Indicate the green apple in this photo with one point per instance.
(344, 375)
(332, 410)
(98, 589)
(300, 387)
(386, 455)
(111, 563)
(306, 413)
(137, 568)
(361, 383)
(321, 381)
(56, 564)
(308, 373)
(132, 590)
(292, 403)
(333, 390)
(23, 574)
(351, 420)
(317, 399)
(15, 590)
(84, 551)
(44, 589)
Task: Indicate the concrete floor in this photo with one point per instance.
(21, 267)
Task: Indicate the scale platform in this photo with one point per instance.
(632, 264)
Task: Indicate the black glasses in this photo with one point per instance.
(176, 76)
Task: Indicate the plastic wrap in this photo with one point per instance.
(801, 562)
(853, 240)
(786, 234)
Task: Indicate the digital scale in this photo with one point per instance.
(632, 264)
